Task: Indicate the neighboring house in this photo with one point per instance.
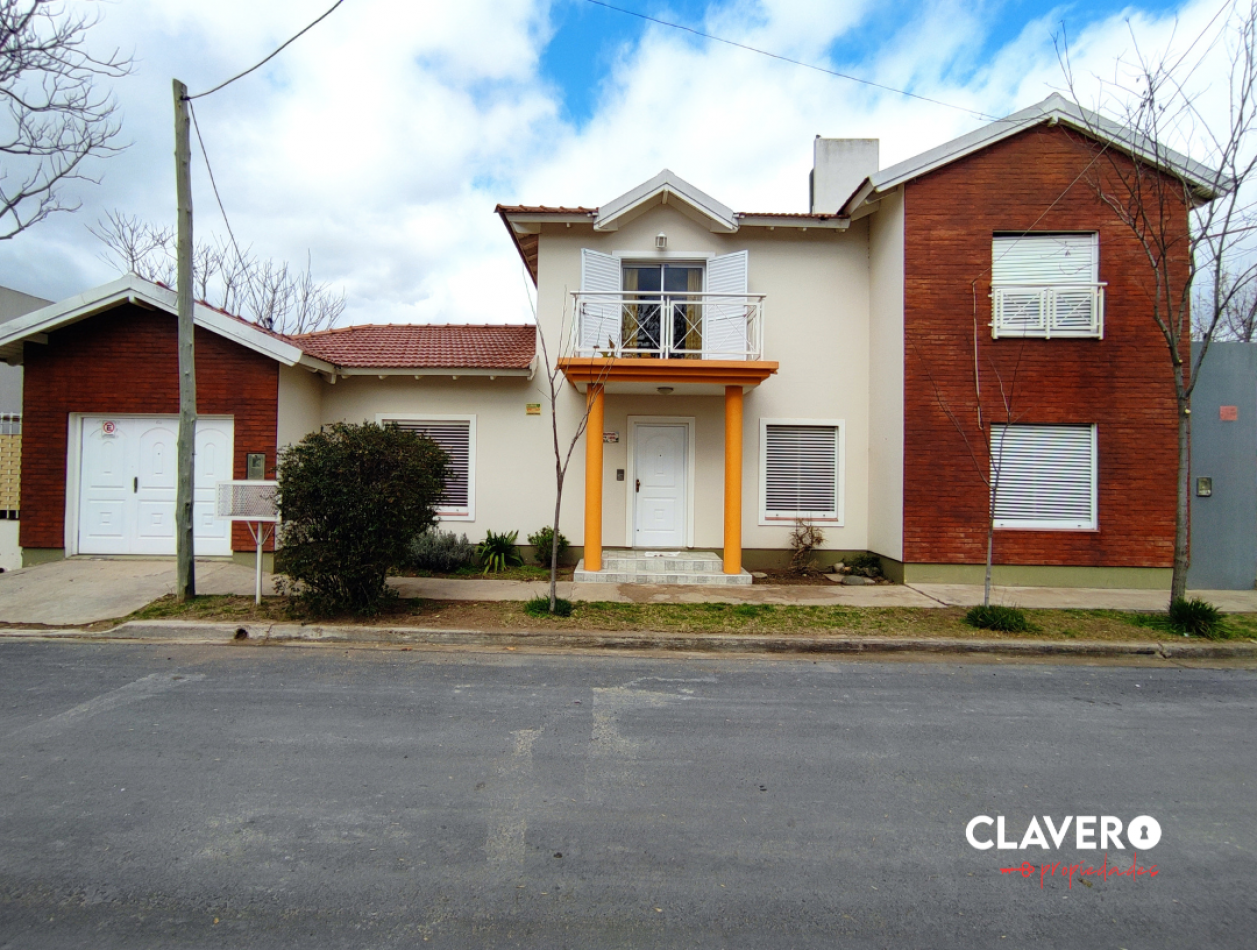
(1224, 469)
(742, 371)
(13, 303)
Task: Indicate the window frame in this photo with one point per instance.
(1041, 524)
(779, 518)
(410, 418)
(1094, 285)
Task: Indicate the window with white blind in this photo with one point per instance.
(1046, 285)
(457, 436)
(1044, 476)
(802, 470)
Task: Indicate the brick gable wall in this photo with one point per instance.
(1123, 384)
(126, 361)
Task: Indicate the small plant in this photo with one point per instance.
(540, 607)
(497, 552)
(866, 565)
(1000, 619)
(543, 541)
(441, 551)
(804, 539)
(1197, 618)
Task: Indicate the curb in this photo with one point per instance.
(185, 631)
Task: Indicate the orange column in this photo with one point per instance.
(593, 480)
(733, 479)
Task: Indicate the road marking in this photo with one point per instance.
(508, 818)
(144, 688)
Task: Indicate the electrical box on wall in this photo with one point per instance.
(1204, 486)
(256, 466)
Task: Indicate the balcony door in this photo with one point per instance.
(669, 314)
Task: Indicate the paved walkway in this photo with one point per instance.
(87, 590)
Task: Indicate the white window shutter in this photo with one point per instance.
(724, 322)
(801, 471)
(1045, 259)
(599, 320)
(454, 437)
(1044, 476)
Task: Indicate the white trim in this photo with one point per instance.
(668, 185)
(631, 472)
(840, 475)
(650, 255)
(470, 419)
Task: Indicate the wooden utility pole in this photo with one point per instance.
(185, 572)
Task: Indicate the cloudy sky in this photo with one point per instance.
(380, 142)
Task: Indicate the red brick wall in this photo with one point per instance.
(126, 361)
(1123, 384)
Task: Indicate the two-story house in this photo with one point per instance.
(740, 371)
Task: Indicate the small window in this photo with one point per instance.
(1046, 285)
(802, 470)
(457, 436)
(1044, 476)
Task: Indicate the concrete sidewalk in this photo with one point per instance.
(87, 590)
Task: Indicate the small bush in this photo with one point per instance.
(804, 539)
(497, 552)
(866, 565)
(1001, 619)
(1197, 618)
(353, 498)
(441, 551)
(543, 541)
(540, 607)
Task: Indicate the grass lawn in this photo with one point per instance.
(704, 618)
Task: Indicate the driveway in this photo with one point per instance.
(86, 590)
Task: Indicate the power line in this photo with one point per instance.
(213, 183)
(793, 62)
(289, 42)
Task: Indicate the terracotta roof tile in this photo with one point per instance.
(542, 209)
(454, 346)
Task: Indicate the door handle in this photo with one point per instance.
(639, 485)
(135, 484)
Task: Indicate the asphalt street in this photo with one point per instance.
(198, 796)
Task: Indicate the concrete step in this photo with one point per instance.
(610, 575)
(684, 562)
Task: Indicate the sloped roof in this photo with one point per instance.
(431, 346)
(1054, 110)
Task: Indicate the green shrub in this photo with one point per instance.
(866, 565)
(1197, 618)
(540, 607)
(497, 552)
(543, 541)
(1001, 619)
(353, 498)
(442, 551)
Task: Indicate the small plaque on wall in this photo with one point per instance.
(1228, 413)
(532, 409)
(611, 437)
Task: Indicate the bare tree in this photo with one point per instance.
(1238, 323)
(1191, 220)
(553, 380)
(267, 292)
(54, 117)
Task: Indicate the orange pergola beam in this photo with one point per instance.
(733, 480)
(593, 479)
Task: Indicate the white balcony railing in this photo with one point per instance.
(1047, 310)
(668, 325)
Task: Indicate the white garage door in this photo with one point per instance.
(127, 485)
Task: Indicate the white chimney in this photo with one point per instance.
(838, 168)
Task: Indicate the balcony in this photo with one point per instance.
(667, 326)
(1047, 310)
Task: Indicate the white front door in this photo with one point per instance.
(127, 480)
(659, 506)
